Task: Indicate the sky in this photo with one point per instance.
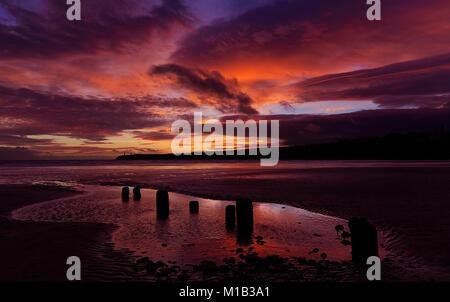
(114, 82)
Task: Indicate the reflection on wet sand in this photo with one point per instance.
(187, 238)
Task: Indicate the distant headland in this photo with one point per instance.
(394, 146)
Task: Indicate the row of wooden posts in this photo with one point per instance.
(363, 235)
(241, 213)
(126, 193)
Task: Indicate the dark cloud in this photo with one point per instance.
(423, 83)
(418, 101)
(19, 140)
(287, 106)
(164, 102)
(154, 135)
(305, 129)
(43, 31)
(18, 153)
(231, 99)
(27, 112)
(266, 29)
(322, 34)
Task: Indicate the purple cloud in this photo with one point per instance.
(422, 83)
(18, 153)
(28, 112)
(107, 26)
(210, 84)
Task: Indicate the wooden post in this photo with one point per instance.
(137, 193)
(364, 239)
(193, 206)
(244, 215)
(162, 203)
(125, 194)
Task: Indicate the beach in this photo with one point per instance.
(37, 251)
(405, 200)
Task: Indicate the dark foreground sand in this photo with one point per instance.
(37, 251)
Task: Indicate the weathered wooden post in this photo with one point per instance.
(364, 239)
(125, 194)
(244, 215)
(137, 193)
(162, 203)
(193, 206)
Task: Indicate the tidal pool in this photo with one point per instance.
(188, 238)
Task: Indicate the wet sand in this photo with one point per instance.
(37, 251)
(407, 200)
(189, 238)
(410, 202)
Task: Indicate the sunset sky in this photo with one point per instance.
(114, 82)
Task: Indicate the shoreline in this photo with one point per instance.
(133, 269)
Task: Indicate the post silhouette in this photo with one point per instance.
(193, 206)
(125, 194)
(244, 216)
(137, 193)
(162, 203)
(364, 239)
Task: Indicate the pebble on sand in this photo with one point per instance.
(339, 228)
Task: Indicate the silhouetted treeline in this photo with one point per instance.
(393, 146)
(425, 145)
